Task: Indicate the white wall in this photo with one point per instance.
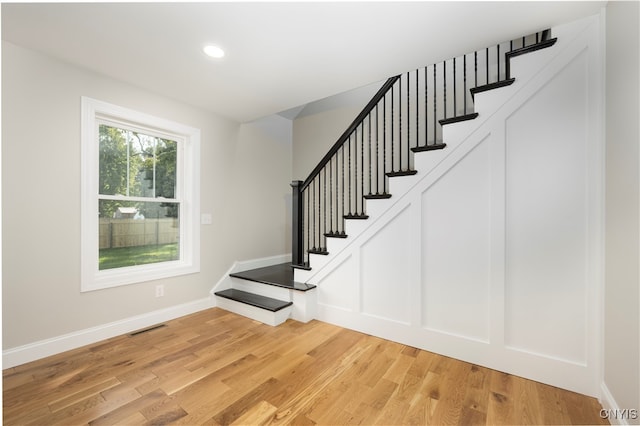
(621, 316)
(244, 169)
(319, 125)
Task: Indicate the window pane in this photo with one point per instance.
(165, 175)
(136, 164)
(137, 233)
(113, 161)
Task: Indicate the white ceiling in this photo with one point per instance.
(279, 55)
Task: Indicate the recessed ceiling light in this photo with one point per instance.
(213, 51)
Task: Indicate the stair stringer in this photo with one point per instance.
(344, 279)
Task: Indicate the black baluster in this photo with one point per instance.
(313, 229)
(455, 97)
(408, 120)
(487, 64)
(309, 218)
(355, 173)
(343, 190)
(384, 143)
(399, 125)
(511, 45)
(523, 41)
(338, 224)
(464, 76)
(393, 135)
(417, 109)
(444, 79)
(309, 221)
(362, 168)
(377, 154)
(426, 113)
(475, 67)
(331, 195)
(537, 38)
(349, 171)
(435, 106)
(324, 204)
(320, 247)
(369, 147)
(498, 60)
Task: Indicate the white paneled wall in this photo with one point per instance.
(456, 225)
(492, 253)
(546, 219)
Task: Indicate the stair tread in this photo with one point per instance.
(377, 196)
(280, 275)
(458, 119)
(356, 216)
(432, 147)
(335, 235)
(252, 299)
(402, 173)
(491, 86)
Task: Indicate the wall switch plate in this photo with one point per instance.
(159, 290)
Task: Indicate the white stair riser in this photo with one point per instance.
(274, 292)
(335, 245)
(255, 313)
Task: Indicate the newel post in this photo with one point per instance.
(297, 257)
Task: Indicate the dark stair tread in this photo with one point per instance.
(432, 147)
(491, 86)
(335, 235)
(402, 173)
(280, 275)
(252, 299)
(377, 196)
(320, 250)
(356, 216)
(458, 119)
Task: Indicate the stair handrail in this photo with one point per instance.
(345, 136)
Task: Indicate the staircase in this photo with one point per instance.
(267, 294)
(404, 118)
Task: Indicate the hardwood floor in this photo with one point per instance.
(215, 367)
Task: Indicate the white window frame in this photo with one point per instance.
(187, 191)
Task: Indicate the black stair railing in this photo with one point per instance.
(404, 116)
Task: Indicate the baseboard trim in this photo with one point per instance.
(609, 404)
(55, 345)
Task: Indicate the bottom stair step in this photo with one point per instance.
(259, 308)
(256, 300)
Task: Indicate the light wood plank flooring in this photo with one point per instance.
(215, 367)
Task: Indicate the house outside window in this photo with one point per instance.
(140, 197)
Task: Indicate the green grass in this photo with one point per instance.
(139, 255)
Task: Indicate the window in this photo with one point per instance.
(140, 197)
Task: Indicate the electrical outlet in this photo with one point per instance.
(159, 290)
